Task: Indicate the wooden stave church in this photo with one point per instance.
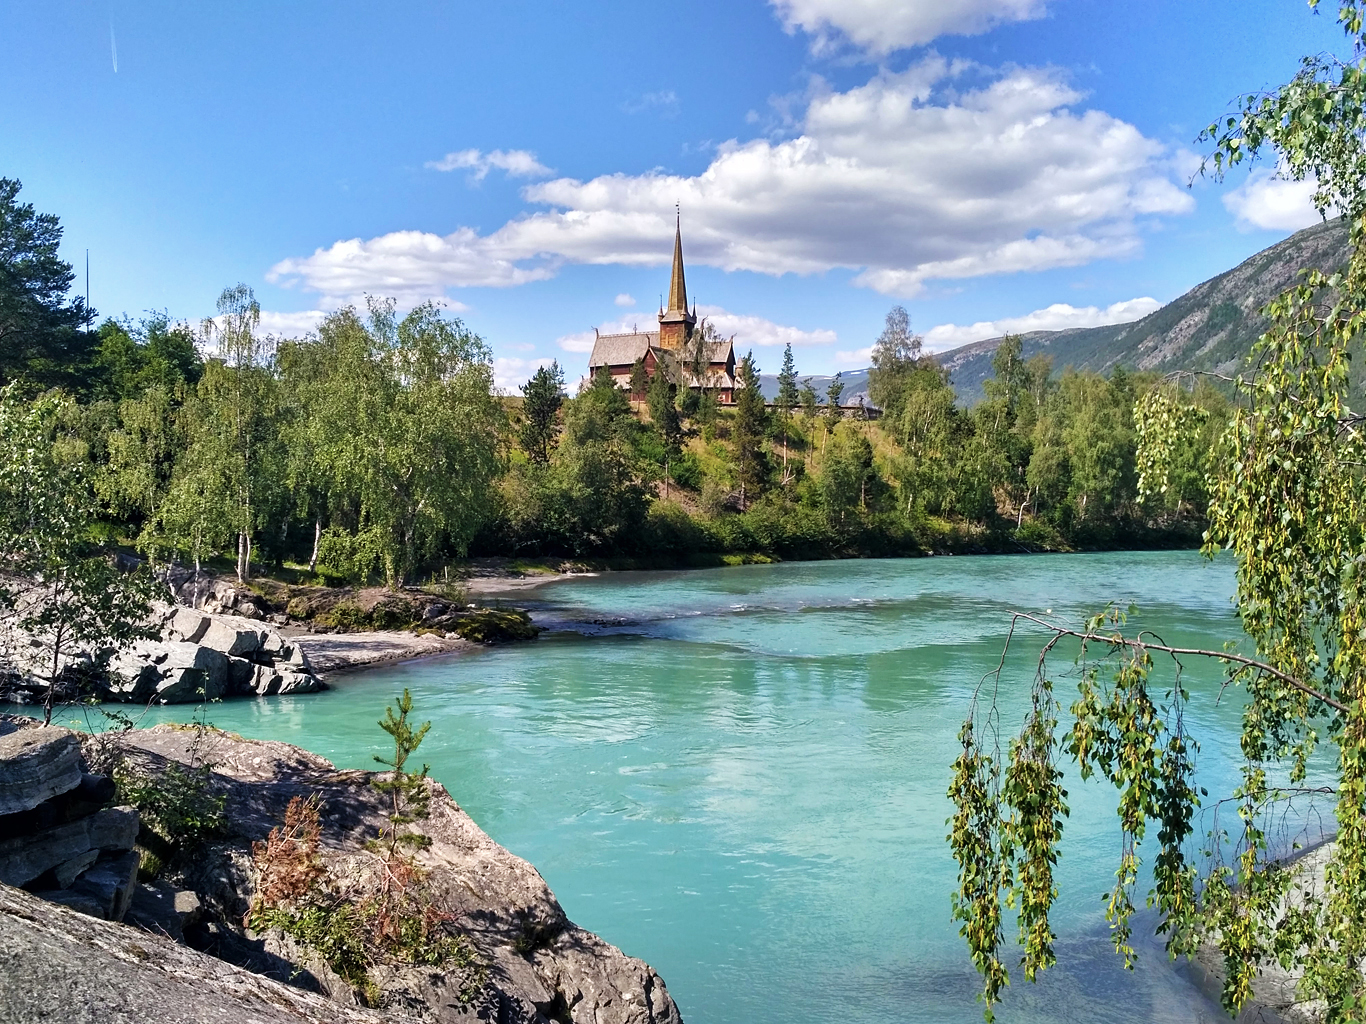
(620, 352)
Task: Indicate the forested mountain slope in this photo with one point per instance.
(1211, 327)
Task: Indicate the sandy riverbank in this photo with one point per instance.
(329, 653)
(493, 585)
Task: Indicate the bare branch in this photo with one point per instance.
(1115, 640)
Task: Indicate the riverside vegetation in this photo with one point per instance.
(1288, 495)
(378, 449)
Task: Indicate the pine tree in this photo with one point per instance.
(751, 422)
(640, 380)
(407, 791)
(787, 398)
(542, 397)
(832, 398)
(664, 413)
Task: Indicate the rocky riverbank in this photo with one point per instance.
(221, 638)
(194, 657)
(1275, 991)
(183, 951)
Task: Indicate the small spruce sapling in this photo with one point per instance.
(408, 795)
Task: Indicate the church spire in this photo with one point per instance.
(676, 323)
(678, 291)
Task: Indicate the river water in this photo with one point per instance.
(739, 774)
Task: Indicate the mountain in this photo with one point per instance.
(855, 385)
(1211, 327)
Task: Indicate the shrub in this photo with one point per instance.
(686, 471)
(347, 617)
(299, 608)
(391, 916)
(178, 808)
(496, 625)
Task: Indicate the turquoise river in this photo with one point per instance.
(739, 774)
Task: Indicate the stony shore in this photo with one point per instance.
(166, 942)
(221, 639)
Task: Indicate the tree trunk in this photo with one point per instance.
(317, 540)
(241, 549)
(52, 683)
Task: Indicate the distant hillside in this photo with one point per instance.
(855, 384)
(1211, 327)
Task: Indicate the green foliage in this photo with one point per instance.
(133, 358)
(62, 589)
(177, 805)
(41, 335)
(788, 396)
(808, 398)
(408, 792)
(337, 933)
(1287, 495)
(662, 395)
(394, 919)
(896, 356)
(847, 473)
(640, 379)
(496, 625)
(750, 429)
(833, 391)
(542, 397)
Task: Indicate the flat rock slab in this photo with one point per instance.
(335, 652)
(61, 965)
(36, 765)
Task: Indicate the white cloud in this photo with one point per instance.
(1056, 317)
(510, 373)
(290, 325)
(411, 266)
(1273, 203)
(938, 172)
(881, 26)
(756, 331)
(516, 163)
(582, 341)
(856, 359)
(624, 300)
(665, 101)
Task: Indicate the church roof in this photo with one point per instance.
(621, 349)
(625, 349)
(721, 351)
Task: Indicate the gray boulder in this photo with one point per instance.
(188, 625)
(539, 965)
(169, 672)
(163, 909)
(36, 765)
(110, 883)
(232, 639)
(25, 858)
(67, 872)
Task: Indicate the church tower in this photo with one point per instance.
(676, 323)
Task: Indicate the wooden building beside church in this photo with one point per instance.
(674, 344)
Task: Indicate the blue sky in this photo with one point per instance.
(989, 164)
